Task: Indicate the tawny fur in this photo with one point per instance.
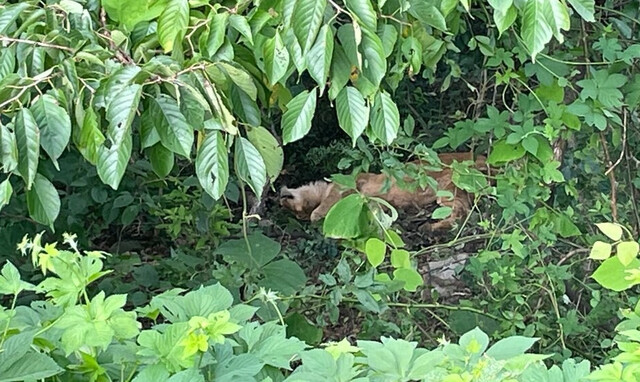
(313, 201)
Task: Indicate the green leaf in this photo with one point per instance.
(174, 131)
(558, 18)
(400, 258)
(501, 5)
(276, 59)
(241, 78)
(428, 14)
(250, 166)
(306, 21)
(10, 13)
(364, 13)
(298, 326)
(319, 57)
(347, 218)
(510, 347)
(131, 13)
(353, 112)
(216, 33)
(90, 138)
(502, 152)
(284, 276)
(296, 121)
(612, 230)
(530, 144)
(8, 149)
(611, 274)
(375, 65)
(161, 159)
(505, 20)
(585, 8)
(7, 61)
(385, 118)
(241, 24)
(269, 149)
(627, 251)
(375, 250)
(366, 299)
(600, 251)
(474, 341)
(212, 165)
(172, 24)
(441, 213)
(5, 193)
(10, 283)
(263, 250)
(54, 124)
(28, 141)
(536, 31)
(412, 279)
(43, 201)
(30, 367)
(112, 161)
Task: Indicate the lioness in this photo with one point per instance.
(313, 201)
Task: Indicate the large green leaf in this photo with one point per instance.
(558, 18)
(28, 141)
(5, 193)
(319, 57)
(504, 20)
(90, 138)
(217, 29)
(54, 124)
(353, 112)
(306, 21)
(241, 78)
(172, 24)
(585, 8)
(212, 164)
(175, 132)
(364, 13)
(43, 201)
(612, 274)
(113, 159)
(8, 149)
(536, 31)
(7, 61)
(30, 367)
(263, 249)
(269, 149)
(296, 121)
(284, 276)
(346, 219)
(250, 166)
(9, 14)
(375, 64)
(427, 13)
(276, 59)
(385, 118)
(162, 160)
(131, 12)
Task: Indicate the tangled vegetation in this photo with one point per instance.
(158, 133)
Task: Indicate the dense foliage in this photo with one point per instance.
(157, 130)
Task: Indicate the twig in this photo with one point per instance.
(571, 253)
(23, 90)
(120, 54)
(612, 181)
(37, 43)
(624, 142)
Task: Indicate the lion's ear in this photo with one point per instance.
(285, 193)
